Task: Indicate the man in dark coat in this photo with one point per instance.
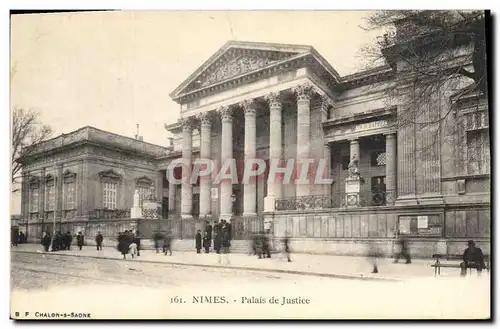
(22, 237)
(124, 241)
(217, 237)
(46, 241)
(98, 240)
(137, 241)
(56, 243)
(167, 243)
(68, 239)
(157, 237)
(266, 248)
(208, 237)
(198, 241)
(472, 257)
(14, 236)
(79, 240)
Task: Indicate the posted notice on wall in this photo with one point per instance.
(422, 222)
(404, 225)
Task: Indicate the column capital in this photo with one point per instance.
(225, 113)
(354, 140)
(391, 134)
(249, 106)
(304, 92)
(186, 123)
(205, 118)
(274, 99)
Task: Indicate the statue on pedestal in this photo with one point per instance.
(353, 168)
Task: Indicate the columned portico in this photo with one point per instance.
(226, 188)
(275, 141)
(249, 188)
(187, 155)
(205, 153)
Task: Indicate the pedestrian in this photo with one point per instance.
(266, 248)
(226, 243)
(14, 236)
(198, 241)
(22, 237)
(79, 240)
(56, 242)
(137, 241)
(208, 237)
(157, 237)
(373, 254)
(472, 258)
(402, 249)
(68, 239)
(167, 243)
(217, 237)
(132, 248)
(46, 241)
(286, 247)
(122, 246)
(98, 240)
(259, 245)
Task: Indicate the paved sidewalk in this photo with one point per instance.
(306, 264)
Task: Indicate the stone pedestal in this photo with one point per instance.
(269, 204)
(352, 191)
(136, 210)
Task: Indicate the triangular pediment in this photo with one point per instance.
(237, 58)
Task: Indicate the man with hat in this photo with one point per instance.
(473, 257)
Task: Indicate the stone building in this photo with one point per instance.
(275, 101)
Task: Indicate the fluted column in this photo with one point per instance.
(205, 154)
(250, 187)
(171, 199)
(327, 188)
(187, 155)
(304, 93)
(275, 141)
(354, 150)
(226, 187)
(390, 164)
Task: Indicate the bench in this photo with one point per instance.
(438, 264)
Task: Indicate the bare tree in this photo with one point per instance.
(27, 130)
(434, 54)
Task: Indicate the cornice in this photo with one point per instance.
(381, 113)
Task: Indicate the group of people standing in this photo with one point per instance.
(61, 241)
(220, 233)
(129, 243)
(17, 236)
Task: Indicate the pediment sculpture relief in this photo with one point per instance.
(235, 67)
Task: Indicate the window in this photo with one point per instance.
(33, 200)
(69, 195)
(478, 152)
(378, 158)
(143, 193)
(109, 200)
(50, 196)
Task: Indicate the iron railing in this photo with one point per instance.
(362, 199)
(109, 213)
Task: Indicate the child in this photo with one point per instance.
(132, 249)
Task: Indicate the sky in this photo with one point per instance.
(114, 70)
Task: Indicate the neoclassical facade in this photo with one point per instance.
(277, 102)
